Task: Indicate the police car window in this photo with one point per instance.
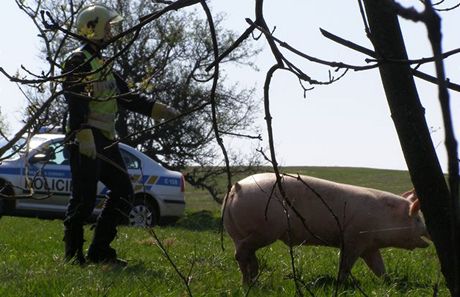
(55, 153)
(61, 155)
(130, 160)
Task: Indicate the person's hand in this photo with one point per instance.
(86, 144)
(170, 113)
(162, 111)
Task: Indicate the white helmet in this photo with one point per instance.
(92, 20)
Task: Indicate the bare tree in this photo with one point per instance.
(439, 200)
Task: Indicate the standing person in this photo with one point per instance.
(93, 93)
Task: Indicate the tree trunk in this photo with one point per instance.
(409, 119)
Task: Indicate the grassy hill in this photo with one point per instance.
(31, 261)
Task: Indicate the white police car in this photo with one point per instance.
(44, 164)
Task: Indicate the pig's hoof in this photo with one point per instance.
(250, 283)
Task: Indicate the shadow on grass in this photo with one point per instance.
(401, 284)
(404, 283)
(134, 268)
(203, 220)
(329, 283)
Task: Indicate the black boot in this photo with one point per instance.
(73, 240)
(100, 250)
(104, 255)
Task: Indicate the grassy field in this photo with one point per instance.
(31, 261)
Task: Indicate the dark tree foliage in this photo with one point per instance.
(3, 124)
(166, 62)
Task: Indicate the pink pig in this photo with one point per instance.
(322, 213)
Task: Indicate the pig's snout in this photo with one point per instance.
(423, 238)
(423, 242)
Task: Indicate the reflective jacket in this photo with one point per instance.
(102, 87)
(93, 100)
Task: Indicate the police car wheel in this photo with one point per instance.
(142, 214)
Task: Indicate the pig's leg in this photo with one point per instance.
(247, 261)
(347, 260)
(374, 260)
(245, 254)
(253, 266)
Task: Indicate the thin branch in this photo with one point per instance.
(311, 58)
(215, 125)
(258, 137)
(184, 279)
(433, 24)
(236, 44)
(371, 53)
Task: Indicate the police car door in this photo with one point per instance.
(133, 165)
(49, 175)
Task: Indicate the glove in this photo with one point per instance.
(161, 111)
(86, 144)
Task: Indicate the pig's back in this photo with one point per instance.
(306, 189)
(320, 205)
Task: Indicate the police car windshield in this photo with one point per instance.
(19, 148)
(14, 152)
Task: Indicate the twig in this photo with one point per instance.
(231, 48)
(371, 53)
(166, 254)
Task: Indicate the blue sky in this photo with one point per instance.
(344, 124)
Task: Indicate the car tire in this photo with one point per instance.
(144, 213)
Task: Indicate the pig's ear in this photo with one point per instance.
(410, 195)
(407, 193)
(414, 208)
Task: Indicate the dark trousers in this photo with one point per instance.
(108, 168)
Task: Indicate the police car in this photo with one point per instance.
(36, 181)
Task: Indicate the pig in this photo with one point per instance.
(358, 220)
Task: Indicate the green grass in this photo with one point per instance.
(31, 261)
